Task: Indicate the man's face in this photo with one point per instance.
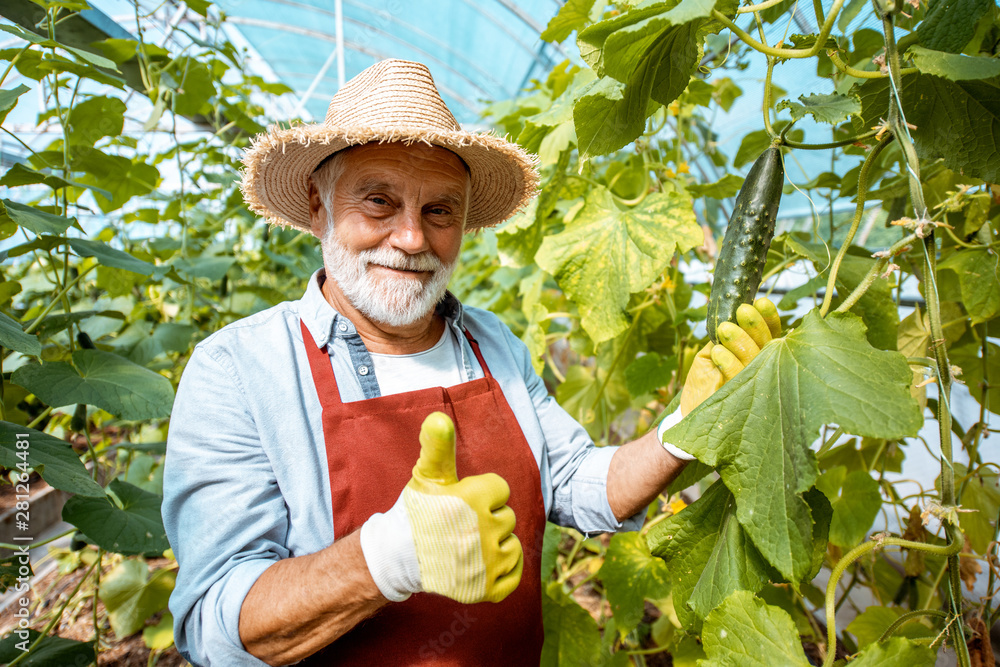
(398, 220)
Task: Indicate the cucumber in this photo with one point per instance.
(744, 249)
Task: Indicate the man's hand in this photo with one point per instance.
(444, 535)
(714, 365)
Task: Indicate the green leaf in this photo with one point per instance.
(648, 373)
(758, 428)
(981, 494)
(12, 337)
(212, 268)
(954, 66)
(833, 109)
(108, 256)
(550, 549)
(193, 85)
(896, 652)
(133, 529)
(978, 272)
(52, 650)
(572, 638)
(950, 24)
(104, 379)
(571, 16)
(36, 220)
(131, 595)
(95, 118)
(754, 143)
(854, 509)
(724, 188)
(10, 570)
(8, 99)
(607, 253)
(631, 575)
(160, 637)
(21, 175)
(746, 632)
(50, 457)
(609, 115)
(708, 555)
(958, 121)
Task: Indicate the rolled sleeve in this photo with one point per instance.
(215, 463)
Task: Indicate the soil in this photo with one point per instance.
(78, 622)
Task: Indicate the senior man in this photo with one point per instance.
(303, 529)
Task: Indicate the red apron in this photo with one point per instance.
(371, 448)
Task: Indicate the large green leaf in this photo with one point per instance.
(50, 457)
(746, 632)
(12, 337)
(958, 121)
(108, 256)
(571, 16)
(968, 357)
(571, 635)
(758, 428)
(631, 575)
(609, 115)
(954, 66)
(100, 378)
(950, 24)
(95, 118)
(896, 652)
(854, 509)
(870, 624)
(36, 220)
(708, 555)
(978, 271)
(8, 99)
(724, 188)
(981, 495)
(131, 595)
(131, 526)
(52, 650)
(833, 109)
(607, 253)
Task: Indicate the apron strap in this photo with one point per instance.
(477, 352)
(322, 370)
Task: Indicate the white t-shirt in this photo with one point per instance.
(440, 366)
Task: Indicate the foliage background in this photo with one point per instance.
(603, 278)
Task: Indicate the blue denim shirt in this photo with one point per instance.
(246, 481)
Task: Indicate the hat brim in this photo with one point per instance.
(277, 166)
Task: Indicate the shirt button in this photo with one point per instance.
(362, 370)
(342, 326)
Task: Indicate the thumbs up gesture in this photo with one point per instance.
(444, 535)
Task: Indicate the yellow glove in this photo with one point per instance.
(714, 365)
(444, 535)
(738, 345)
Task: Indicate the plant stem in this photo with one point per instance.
(35, 545)
(853, 555)
(55, 619)
(910, 616)
(784, 53)
(873, 273)
(861, 138)
(860, 73)
(38, 320)
(858, 212)
(756, 8)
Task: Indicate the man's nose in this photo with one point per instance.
(408, 232)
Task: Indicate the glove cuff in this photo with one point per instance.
(391, 556)
(666, 424)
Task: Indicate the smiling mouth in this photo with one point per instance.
(414, 272)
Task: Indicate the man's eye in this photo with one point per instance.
(440, 211)
(378, 200)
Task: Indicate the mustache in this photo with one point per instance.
(399, 260)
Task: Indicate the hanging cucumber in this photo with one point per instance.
(744, 249)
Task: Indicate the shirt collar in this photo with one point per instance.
(323, 321)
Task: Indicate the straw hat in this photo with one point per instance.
(393, 100)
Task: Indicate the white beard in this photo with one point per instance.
(396, 301)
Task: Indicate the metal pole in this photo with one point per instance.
(315, 82)
(339, 23)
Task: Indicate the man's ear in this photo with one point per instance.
(317, 212)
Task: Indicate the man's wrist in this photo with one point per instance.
(390, 554)
(666, 424)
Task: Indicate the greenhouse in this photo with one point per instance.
(500, 332)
